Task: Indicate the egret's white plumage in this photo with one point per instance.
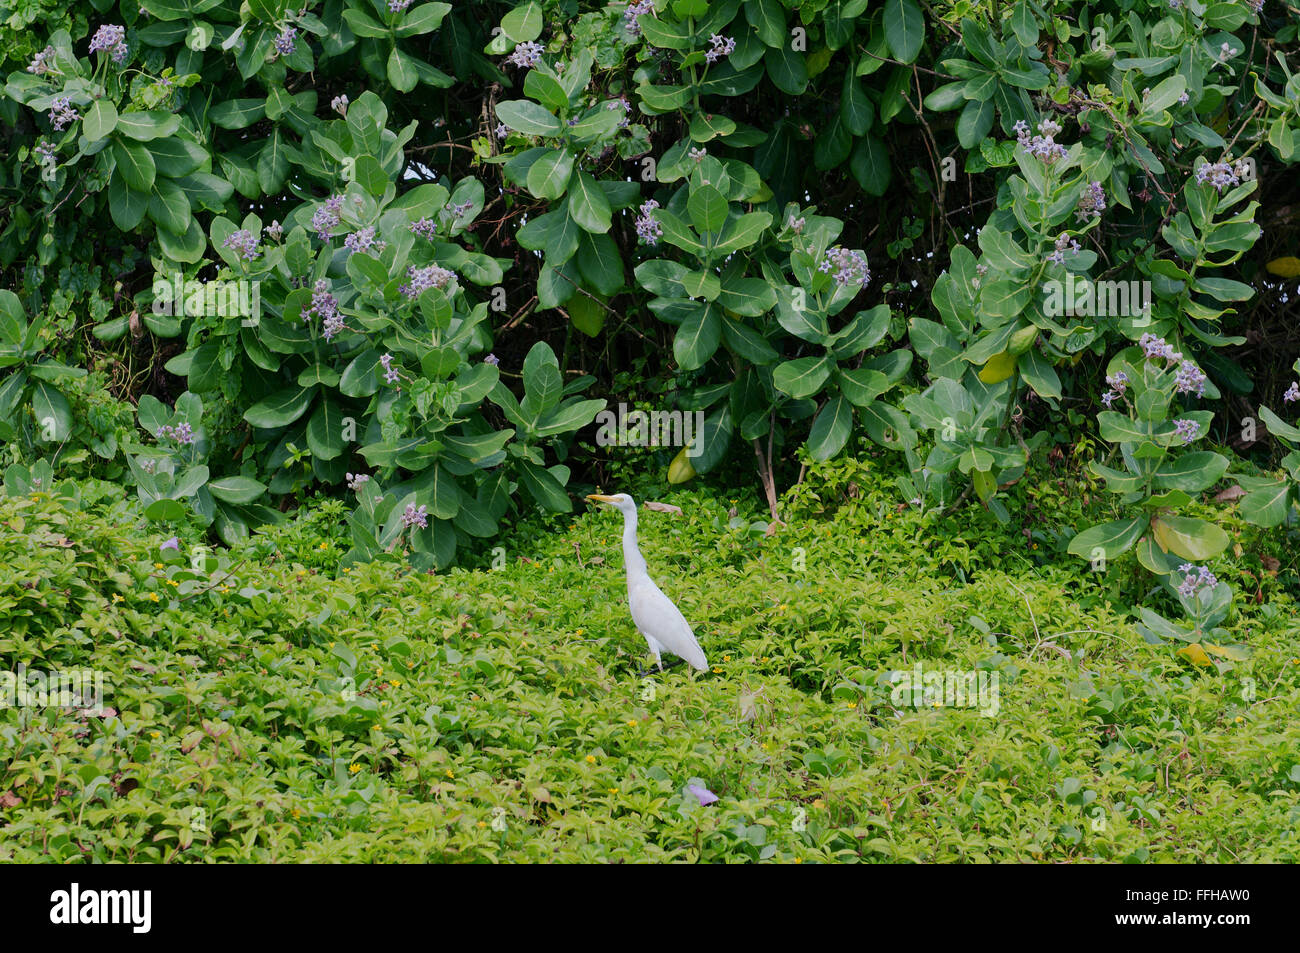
(661, 623)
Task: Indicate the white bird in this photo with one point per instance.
(656, 618)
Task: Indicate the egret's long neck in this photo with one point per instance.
(633, 561)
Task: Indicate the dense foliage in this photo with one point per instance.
(379, 270)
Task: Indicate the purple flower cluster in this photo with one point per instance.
(722, 46)
(286, 42)
(621, 103)
(398, 6)
(849, 266)
(1091, 203)
(634, 10)
(492, 359)
(363, 240)
(182, 433)
(1063, 244)
(1157, 348)
(1218, 174)
(1042, 146)
(42, 63)
(526, 55)
(415, 516)
(326, 307)
(357, 480)
(326, 218)
(111, 40)
(390, 372)
(275, 230)
(1187, 429)
(244, 242)
(1292, 393)
(648, 229)
(62, 112)
(1189, 379)
(44, 149)
(1195, 579)
(1118, 383)
(502, 131)
(340, 104)
(425, 228)
(698, 155)
(796, 224)
(430, 276)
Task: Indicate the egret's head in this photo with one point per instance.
(619, 501)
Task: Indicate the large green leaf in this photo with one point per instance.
(1111, 538)
(281, 408)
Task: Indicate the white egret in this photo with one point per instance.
(656, 618)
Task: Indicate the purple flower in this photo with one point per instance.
(286, 43)
(363, 240)
(796, 224)
(849, 266)
(1183, 98)
(1187, 429)
(340, 104)
(430, 276)
(1189, 378)
(1219, 174)
(492, 359)
(62, 112)
(460, 209)
(722, 46)
(42, 63)
(1292, 393)
(357, 480)
(326, 307)
(243, 242)
(634, 10)
(1042, 146)
(415, 516)
(390, 372)
(698, 155)
(502, 131)
(526, 55)
(1156, 348)
(44, 149)
(425, 228)
(1092, 203)
(275, 230)
(648, 229)
(704, 795)
(173, 543)
(326, 218)
(111, 40)
(182, 433)
(621, 103)
(1063, 243)
(398, 6)
(1195, 579)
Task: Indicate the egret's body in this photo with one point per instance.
(661, 623)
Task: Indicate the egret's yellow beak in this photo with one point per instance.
(596, 497)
